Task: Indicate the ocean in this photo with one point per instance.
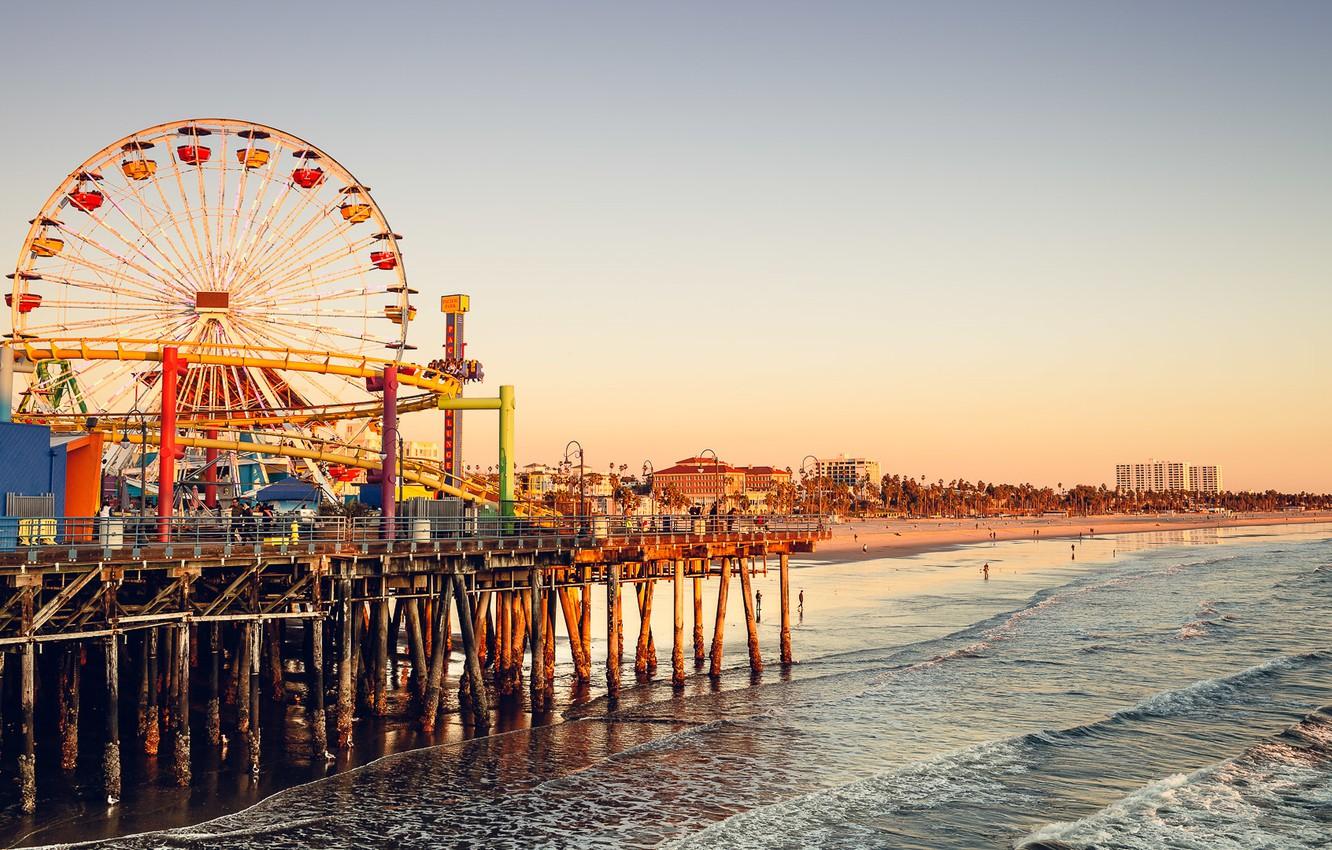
(1167, 690)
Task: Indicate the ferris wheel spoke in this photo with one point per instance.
(229, 255)
(185, 202)
(183, 259)
(187, 246)
(272, 235)
(280, 237)
(279, 277)
(327, 331)
(164, 277)
(175, 271)
(257, 233)
(148, 279)
(314, 287)
(98, 286)
(135, 284)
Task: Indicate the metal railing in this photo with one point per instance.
(310, 533)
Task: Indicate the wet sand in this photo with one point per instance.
(856, 539)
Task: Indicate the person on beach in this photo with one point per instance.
(800, 605)
(986, 571)
(758, 606)
(1072, 551)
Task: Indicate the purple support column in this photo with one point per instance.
(388, 481)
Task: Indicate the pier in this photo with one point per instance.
(187, 619)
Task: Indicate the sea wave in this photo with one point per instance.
(1277, 794)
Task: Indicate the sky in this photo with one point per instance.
(998, 241)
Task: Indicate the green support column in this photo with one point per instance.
(506, 450)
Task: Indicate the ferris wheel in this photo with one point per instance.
(226, 237)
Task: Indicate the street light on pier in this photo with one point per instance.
(716, 468)
(582, 494)
(648, 472)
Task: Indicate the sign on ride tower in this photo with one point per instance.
(455, 308)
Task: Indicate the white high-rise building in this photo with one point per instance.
(1166, 475)
(849, 471)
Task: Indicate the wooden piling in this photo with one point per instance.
(612, 631)
(480, 703)
(213, 711)
(346, 692)
(68, 704)
(585, 623)
(254, 656)
(439, 651)
(719, 625)
(111, 748)
(573, 625)
(677, 634)
(644, 594)
(537, 618)
(273, 655)
(416, 646)
(784, 562)
(751, 619)
(315, 685)
(548, 647)
(181, 710)
(381, 650)
(28, 758)
(699, 655)
(152, 732)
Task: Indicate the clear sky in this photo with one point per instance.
(992, 240)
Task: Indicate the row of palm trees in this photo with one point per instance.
(907, 496)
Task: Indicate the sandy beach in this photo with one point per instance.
(856, 539)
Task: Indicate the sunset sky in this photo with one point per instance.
(1007, 241)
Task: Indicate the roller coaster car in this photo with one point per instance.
(86, 200)
(28, 301)
(46, 246)
(385, 260)
(252, 157)
(194, 154)
(139, 169)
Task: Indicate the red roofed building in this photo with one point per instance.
(703, 481)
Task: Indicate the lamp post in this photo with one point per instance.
(648, 471)
(582, 493)
(716, 468)
(819, 486)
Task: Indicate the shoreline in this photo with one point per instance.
(900, 538)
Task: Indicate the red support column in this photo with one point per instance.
(167, 450)
(388, 480)
(210, 472)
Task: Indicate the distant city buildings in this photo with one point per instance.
(849, 471)
(1157, 476)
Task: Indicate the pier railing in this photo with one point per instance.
(236, 534)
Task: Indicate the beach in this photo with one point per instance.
(857, 539)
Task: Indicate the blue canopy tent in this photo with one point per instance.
(290, 494)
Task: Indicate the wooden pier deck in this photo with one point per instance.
(192, 614)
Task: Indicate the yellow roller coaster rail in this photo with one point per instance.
(250, 357)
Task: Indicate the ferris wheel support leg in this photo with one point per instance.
(388, 481)
(6, 384)
(210, 471)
